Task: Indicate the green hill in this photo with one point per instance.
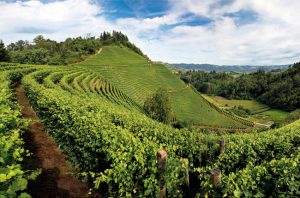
(93, 112)
(138, 78)
(114, 148)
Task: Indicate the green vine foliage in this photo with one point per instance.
(114, 148)
(13, 179)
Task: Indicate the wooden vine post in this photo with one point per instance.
(162, 164)
(216, 177)
(187, 177)
(222, 146)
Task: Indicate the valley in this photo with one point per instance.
(83, 130)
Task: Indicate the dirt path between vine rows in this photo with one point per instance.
(56, 179)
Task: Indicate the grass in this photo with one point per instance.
(262, 113)
(252, 105)
(274, 115)
(139, 78)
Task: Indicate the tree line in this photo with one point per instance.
(276, 89)
(46, 51)
(118, 38)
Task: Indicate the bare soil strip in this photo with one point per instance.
(56, 179)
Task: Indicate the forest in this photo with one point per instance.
(276, 89)
(46, 51)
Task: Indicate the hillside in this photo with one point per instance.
(275, 89)
(138, 78)
(283, 90)
(128, 71)
(92, 106)
(116, 150)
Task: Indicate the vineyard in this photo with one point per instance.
(138, 78)
(93, 110)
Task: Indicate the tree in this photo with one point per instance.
(3, 52)
(18, 46)
(39, 41)
(158, 106)
(46, 51)
(118, 38)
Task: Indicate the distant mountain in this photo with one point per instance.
(229, 68)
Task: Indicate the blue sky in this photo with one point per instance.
(252, 32)
(140, 9)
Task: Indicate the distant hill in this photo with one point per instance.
(229, 68)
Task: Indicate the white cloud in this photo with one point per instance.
(194, 6)
(57, 20)
(147, 24)
(274, 38)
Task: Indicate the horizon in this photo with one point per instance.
(288, 64)
(222, 32)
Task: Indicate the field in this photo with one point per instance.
(253, 106)
(93, 113)
(260, 113)
(274, 115)
(138, 78)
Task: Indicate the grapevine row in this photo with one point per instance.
(115, 147)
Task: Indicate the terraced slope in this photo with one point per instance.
(138, 78)
(115, 149)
